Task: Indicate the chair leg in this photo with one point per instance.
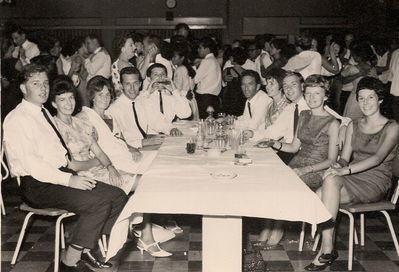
(351, 233)
(62, 236)
(21, 237)
(392, 230)
(355, 235)
(316, 242)
(100, 245)
(3, 210)
(105, 244)
(58, 228)
(362, 229)
(302, 237)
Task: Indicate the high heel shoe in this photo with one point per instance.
(325, 260)
(160, 253)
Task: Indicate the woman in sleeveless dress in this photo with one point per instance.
(363, 173)
(315, 144)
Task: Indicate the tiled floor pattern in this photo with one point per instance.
(38, 248)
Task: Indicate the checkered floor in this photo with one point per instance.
(38, 248)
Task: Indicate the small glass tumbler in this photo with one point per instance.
(190, 147)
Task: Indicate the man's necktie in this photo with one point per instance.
(136, 119)
(56, 132)
(249, 110)
(160, 102)
(296, 117)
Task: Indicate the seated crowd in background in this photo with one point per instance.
(307, 103)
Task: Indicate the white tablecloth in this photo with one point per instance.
(180, 183)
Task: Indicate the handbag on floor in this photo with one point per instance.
(253, 260)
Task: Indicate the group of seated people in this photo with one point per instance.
(84, 158)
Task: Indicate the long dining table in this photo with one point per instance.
(222, 192)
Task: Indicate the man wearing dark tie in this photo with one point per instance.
(257, 102)
(133, 119)
(161, 93)
(38, 155)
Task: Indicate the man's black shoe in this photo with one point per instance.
(79, 267)
(93, 261)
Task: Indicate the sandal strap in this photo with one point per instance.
(147, 246)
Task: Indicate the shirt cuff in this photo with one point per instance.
(64, 178)
(345, 121)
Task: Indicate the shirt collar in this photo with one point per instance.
(302, 103)
(97, 50)
(25, 44)
(31, 107)
(253, 99)
(210, 55)
(126, 100)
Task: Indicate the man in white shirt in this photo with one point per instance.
(208, 78)
(257, 101)
(25, 50)
(394, 78)
(99, 61)
(163, 95)
(306, 62)
(38, 155)
(132, 117)
(264, 59)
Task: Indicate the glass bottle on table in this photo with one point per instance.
(210, 122)
(201, 134)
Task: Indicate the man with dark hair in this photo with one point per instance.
(182, 29)
(306, 62)
(25, 50)
(257, 102)
(208, 78)
(163, 95)
(99, 61)
(39, 156)
(131, 114)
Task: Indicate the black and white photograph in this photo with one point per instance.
(199, 135)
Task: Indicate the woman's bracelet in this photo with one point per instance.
(108, 165)
(311, 169)
(342, 162)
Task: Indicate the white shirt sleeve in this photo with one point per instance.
(182, 106)
(95, 63)
(283, 127)
(201, 72)
(123, 124)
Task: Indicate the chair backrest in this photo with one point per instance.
(3, 164)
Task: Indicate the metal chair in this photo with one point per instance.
(381, 206)
(59, 229)
(7, 173)
(362, 208)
